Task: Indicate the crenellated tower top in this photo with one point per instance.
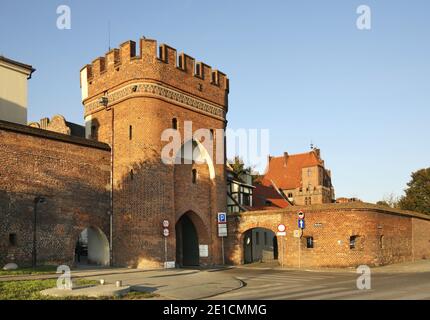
(155, 70)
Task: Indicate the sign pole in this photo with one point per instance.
(165, 252)
(165, 234)
(222, 250)
(282, 252)
(301, 225)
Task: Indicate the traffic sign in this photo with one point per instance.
(281, 227)
(166, 223)
(222, 217)
(301, 223)
(281, 233)
(301, 214)
(166, 232)
(296, 233)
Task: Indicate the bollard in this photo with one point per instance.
(102, 282)
(118, 283)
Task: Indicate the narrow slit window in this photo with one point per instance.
(353, 242)
(94, 131)
(194, 176)
(175, 123)
(131, 174)
(130, 132)
(309, 242)
(12, 239)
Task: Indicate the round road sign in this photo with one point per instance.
(281, 227)
(165, 223)
(166, 232)
(301, 215)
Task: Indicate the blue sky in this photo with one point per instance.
(299, 68)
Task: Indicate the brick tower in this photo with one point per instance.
(129, 101)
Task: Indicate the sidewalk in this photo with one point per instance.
(77, 273)
(178, 284)
(186, 284)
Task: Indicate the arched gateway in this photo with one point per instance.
(191, 240)
(92, 248)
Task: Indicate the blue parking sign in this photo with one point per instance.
(301, 223)
(222, 218)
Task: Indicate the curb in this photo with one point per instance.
(55, 275)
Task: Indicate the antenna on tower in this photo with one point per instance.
(109, 34)
(312, 145)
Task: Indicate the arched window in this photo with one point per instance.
(94, 132)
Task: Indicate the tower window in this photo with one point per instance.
(194, 176)
(175, 123)
(12, 239)
(94, 131)
(130, 132)
(131, 174)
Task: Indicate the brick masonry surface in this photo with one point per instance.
(384, 236)
(72, 174)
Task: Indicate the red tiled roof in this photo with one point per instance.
(286, 171)
(264, 192)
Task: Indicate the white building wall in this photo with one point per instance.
(13, 94)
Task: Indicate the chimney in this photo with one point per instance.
(269, 158)
(317, 152)
(285, 157)
(44, 123)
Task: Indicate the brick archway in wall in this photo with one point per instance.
(97, 251)
(239, 224)
(191, 233)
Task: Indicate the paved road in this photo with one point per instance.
(297, 285)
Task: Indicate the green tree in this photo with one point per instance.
(238, 166)
(417, 195)
(390, 200)
(382, 203)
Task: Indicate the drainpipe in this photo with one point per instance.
(37, 200)
(111, 188)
